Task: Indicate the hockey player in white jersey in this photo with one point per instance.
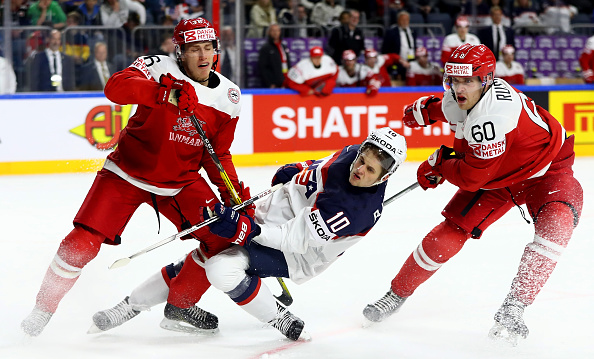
(300, 230)
(509, 70)
(324, 207)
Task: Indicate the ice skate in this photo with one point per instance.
(509, 325)
(112, 317)
(389, 304)
(35, 322)
(289, 324)
(191, 320)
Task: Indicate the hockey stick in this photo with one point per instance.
(124, 261)
(285, 297)
(401, 193)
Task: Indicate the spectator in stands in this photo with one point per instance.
(137, 7)
(380, 64)
(70, 5)
(166, 47)
(326, 13)
(400, 39)
(508, 69)
(347, 36)
(423, 7)
(353, 74)
(47, 13)
(262, 15)
(314, 76)
(450, 7)
(227, 58)
(587, 61)
(50, 69)
(8, 82)
(90, 12)
(422, 72)
(479, 8)
(461, 36)
(95, 73)
(288, 16)
(496, 36)
(76, 42)
(556, 16)
(114, 13)
(18, 9)
(273, 59)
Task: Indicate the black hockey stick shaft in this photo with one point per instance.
(285, 297)
(124, 261)
(401, 193)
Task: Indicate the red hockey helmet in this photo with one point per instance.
(370, 53)
(349, 55)
(195, 30)
(468, 61)
(316, 51)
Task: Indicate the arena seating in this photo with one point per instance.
(541, 56)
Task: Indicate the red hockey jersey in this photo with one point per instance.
(503, 140)
(160, 149)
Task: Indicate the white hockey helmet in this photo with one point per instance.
(391, 147)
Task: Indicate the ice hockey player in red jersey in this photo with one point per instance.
(509, 70)
(380, 63)
(314, 76)
(422, 72)
(158, 157)
(353, 74)
(587, 61)
(507, 151)
(324, 207)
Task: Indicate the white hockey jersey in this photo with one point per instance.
(360, 77)
(514, 74)
(317, 215)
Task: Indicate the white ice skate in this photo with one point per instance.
(509, 325)
(112, 317)
(35, 322)
(389, 304)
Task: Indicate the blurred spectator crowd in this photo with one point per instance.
(66, 45)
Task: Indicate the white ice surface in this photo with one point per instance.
(447, 317)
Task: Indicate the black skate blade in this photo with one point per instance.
(181, 327)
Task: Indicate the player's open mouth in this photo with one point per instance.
(355, 176)
(461, 99)
(203, 65)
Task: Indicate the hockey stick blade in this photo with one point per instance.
(124, 261)
(285, 297)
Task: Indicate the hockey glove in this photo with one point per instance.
(373, 87)
(417, 113)
(244, 194)
(285, 173)
(177, 94)
(588, 76)
(236, 228)
(429, 172)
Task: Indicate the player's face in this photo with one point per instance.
(370, 61)
(366, 170)
(468, 91)
(317, 61)
(197, 59)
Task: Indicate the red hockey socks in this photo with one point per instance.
(76, 250)
(186, 289)
(441, 244)
(554, 227)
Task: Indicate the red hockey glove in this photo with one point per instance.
(285, 173)
(244, 194)
(373, 87)
(236, 228)
(588, 76)
(417, 113)
(429, 172)
(178, 93)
